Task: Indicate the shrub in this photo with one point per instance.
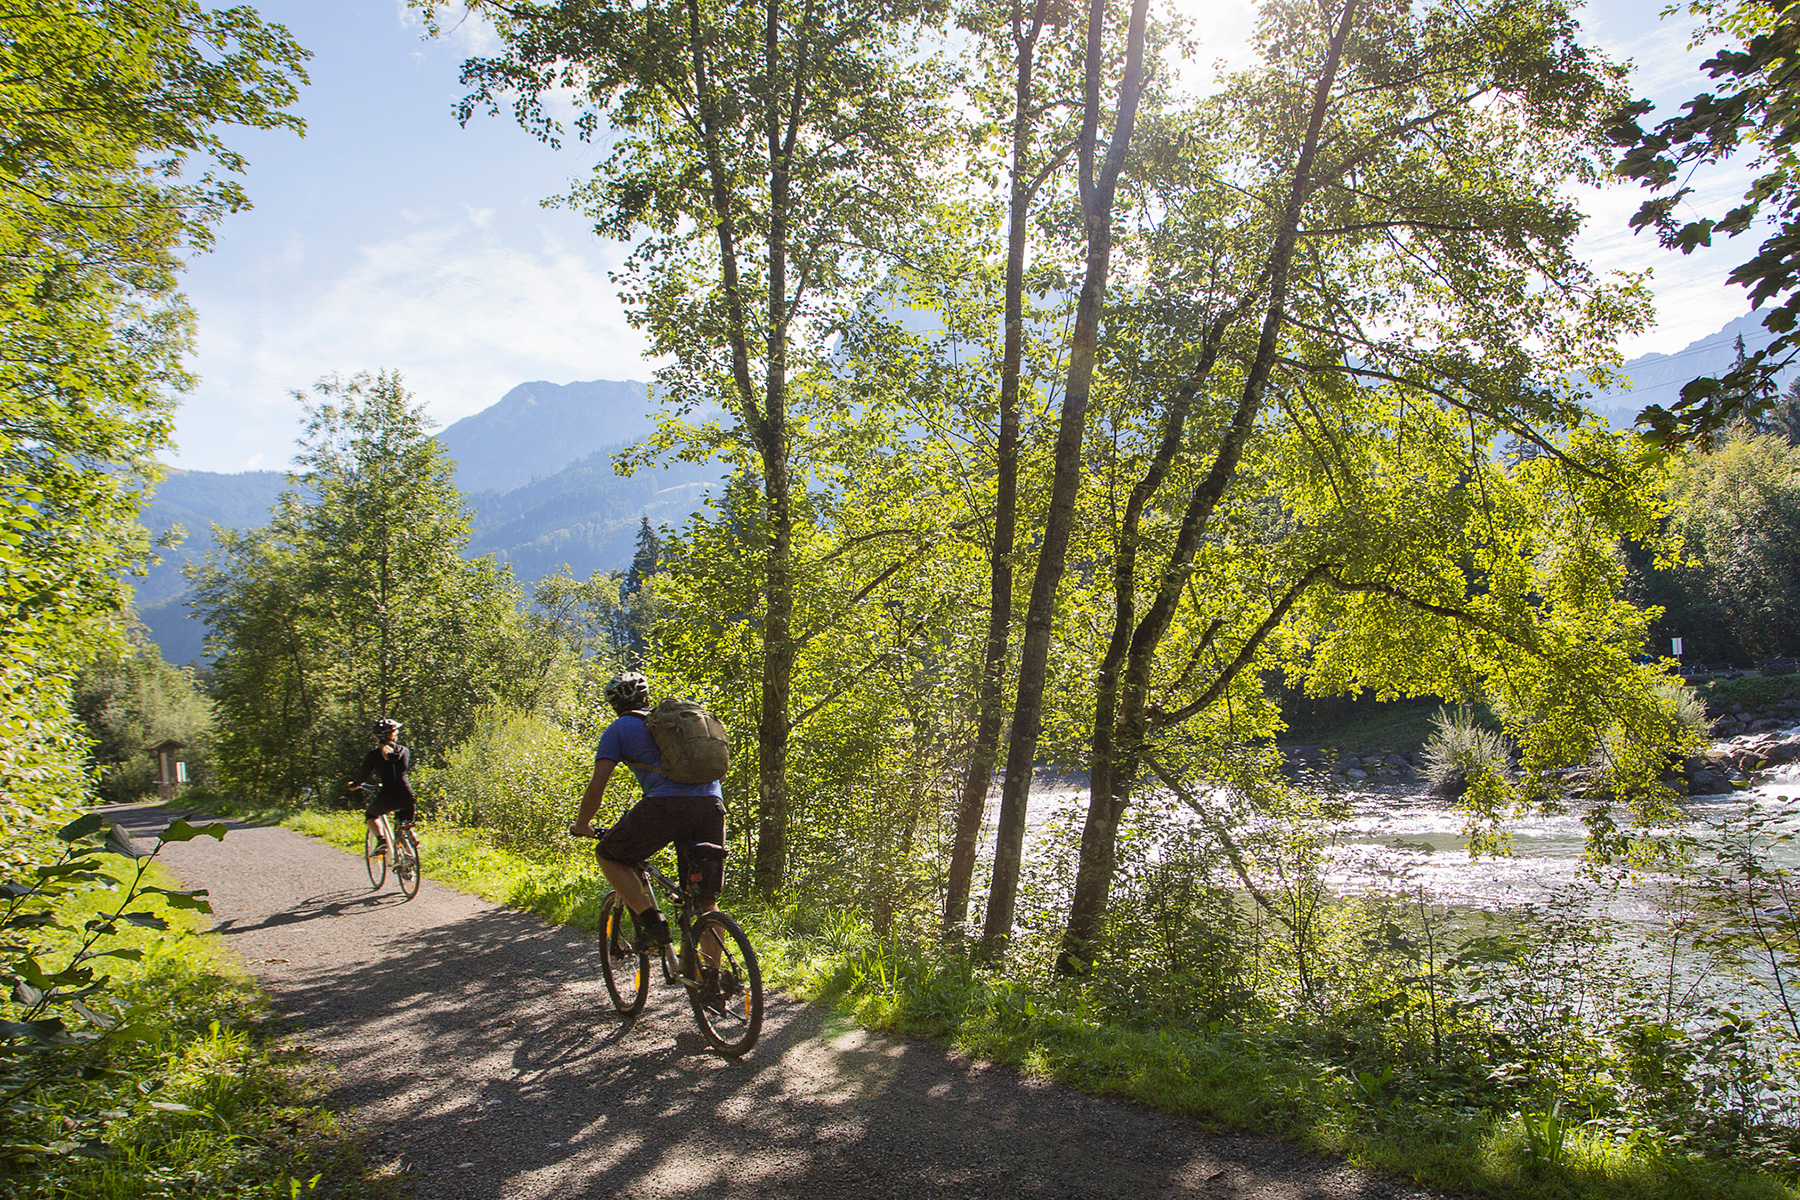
(519, 776)
(1460, 749)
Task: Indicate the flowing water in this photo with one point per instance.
(1397, 839)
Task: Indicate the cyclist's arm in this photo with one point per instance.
(590, 799)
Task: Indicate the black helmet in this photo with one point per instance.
(386, 726)
(628, 691)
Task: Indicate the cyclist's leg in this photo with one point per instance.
(372, 817)
(636, 836)
(630, 886)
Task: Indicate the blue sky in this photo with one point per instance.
(391, 237)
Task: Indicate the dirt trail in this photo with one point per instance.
(478, 1046)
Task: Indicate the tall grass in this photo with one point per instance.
(1461, 749)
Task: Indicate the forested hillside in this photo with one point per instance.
(561, 506)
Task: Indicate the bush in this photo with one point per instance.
(1688, 706)
(1460, 749)
(519, 776)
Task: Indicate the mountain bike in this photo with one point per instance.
(403, 846)
(716, 964)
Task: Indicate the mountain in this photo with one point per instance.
(584, 515)
(536, 472)
(537, 429)
(1658, 378)
(195, 501)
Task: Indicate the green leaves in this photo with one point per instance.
(81, 827)
(1750, 105)
(180, 831)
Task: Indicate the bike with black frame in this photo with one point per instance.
(403, 846)
(716, 964)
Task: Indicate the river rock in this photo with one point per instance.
(1708, 782)
(1356, 774)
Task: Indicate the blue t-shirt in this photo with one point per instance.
(628, 740)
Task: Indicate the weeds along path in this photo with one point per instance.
(476, 1046)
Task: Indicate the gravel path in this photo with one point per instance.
(478, 1047)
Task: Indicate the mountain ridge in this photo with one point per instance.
(557, 501)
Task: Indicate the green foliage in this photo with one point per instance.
(356, 602)
(1461, 750)
(1736, 593)
(1689, 709)
(1750, 690)
(1750, 104)
(518, 776)
(131, 1061)
(127, 701)
(109, 146)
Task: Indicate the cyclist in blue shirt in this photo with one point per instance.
(669, 812)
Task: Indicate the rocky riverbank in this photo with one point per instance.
(1343, 767)
(1755, 745)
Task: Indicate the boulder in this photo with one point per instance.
(1706, 782)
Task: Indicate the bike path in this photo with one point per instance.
(477, 1046)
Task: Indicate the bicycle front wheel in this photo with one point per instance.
(406, 862)
(727, 997)
(374, 860)
(626, 971)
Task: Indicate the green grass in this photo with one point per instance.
(1217, 1076)
(193, 1095)
(1366, 726)
(1752, 691)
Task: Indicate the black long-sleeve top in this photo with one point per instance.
(391, 771)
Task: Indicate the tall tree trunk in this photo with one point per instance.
(1097, 193)
(1122, 719)
(989, 716)
(778, 670)
(779, 648)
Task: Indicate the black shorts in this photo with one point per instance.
(404, 807)
(657, 821)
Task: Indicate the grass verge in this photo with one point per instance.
(1752, 691)
(191, 1094)
(1220, 1077)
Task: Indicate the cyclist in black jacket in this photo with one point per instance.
(388, 762)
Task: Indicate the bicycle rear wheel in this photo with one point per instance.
(727, 999)
(406, 861)
(376, 863)
(626, 971)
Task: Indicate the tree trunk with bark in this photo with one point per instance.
(1122, 719)
(1098, 190)
(990, 718)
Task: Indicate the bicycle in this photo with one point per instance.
(404, 848)
(716, 965)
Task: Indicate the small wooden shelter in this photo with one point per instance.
(171, 772)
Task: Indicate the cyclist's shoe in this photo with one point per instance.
(652, 932)
(380, 850)
(718, 988)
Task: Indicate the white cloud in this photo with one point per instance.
(464, 311)
(469, 33)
